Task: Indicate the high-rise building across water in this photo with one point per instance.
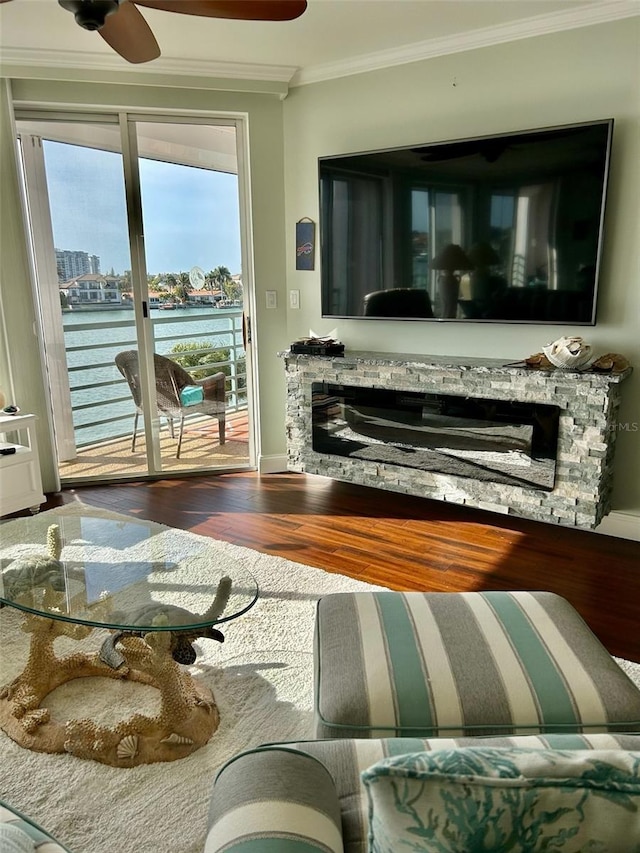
(72, 264)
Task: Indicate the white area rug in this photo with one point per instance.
(261, 677)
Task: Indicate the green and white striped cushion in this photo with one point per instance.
(452, 664)
(18, 834)
(274, 800)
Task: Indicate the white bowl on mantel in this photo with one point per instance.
(568, 353)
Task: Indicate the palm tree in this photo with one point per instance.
(168, 280)
(124, 283)
(219, 277)
(233, 289)
(182, 287)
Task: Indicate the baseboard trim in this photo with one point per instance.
(623, 525)
(276, 464)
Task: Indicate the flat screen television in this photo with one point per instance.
(494, 229)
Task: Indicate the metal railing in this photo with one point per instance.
(102, 407)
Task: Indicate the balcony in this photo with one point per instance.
(200, 450)
(94, 415)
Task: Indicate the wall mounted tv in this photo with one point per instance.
(504, 229)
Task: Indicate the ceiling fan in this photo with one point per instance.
(122, 26)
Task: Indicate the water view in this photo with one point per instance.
(102, 405)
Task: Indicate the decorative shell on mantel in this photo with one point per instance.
(569, 353)
(538, 359)
(611, 362)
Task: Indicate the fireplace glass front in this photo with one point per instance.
(500, 441)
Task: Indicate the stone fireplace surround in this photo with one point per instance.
(588, 402)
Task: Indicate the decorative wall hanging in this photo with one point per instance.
(305, 243)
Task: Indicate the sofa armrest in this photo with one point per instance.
(270, 797)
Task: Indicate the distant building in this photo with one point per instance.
(156, 298)
(73, 264)
(204, 297)
(92, 289)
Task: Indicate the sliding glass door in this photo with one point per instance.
(137, 250)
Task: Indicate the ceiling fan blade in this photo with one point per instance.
(245, 10)
(127, 32)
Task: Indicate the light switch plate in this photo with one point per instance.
(272, 299)
(294, 298)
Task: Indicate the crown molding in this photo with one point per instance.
(599, 12)
(277, 79)
(163, 71)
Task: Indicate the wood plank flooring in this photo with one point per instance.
(397, 541)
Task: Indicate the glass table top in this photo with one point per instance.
(125, 574)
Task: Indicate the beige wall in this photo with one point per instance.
(264, 112)
(580, 75)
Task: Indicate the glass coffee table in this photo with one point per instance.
(156, 590)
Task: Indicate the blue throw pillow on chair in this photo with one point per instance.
(191, 394)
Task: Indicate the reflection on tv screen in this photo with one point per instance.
(497, 229)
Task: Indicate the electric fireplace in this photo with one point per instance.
(334, 406)
(501, 441)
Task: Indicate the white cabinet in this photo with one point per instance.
(20, 480)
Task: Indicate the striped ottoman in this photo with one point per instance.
(392, 664)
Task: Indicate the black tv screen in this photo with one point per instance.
(504, 229)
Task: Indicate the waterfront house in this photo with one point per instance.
(92, 290)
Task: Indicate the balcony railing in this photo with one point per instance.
(101, 404)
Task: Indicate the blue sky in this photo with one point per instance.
(191, 215)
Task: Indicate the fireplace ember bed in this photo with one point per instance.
(538, 444)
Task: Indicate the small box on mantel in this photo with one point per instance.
(317, 346)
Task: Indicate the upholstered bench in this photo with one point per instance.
(391, 664)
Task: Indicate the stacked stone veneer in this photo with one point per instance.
(586, 435)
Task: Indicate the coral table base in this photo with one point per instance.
(187, 718)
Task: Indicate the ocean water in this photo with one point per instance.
(99, 394)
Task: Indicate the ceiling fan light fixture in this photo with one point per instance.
(90, 14)
(131, 37)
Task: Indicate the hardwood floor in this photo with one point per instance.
(397, 541)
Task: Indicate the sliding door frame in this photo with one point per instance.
(41, 240)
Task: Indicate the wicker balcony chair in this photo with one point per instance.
(171, 378)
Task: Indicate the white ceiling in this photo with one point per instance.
(332, 38)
